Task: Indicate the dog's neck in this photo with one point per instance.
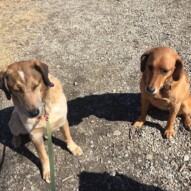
(45, 102)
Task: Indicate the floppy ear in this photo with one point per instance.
(144, 59)
(43, 69)
(3, 85)
(178, 70)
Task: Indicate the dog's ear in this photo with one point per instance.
(3, 84)
(144, 59)
(178, 70)
(43, 69)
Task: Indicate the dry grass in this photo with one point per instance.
(15, 21)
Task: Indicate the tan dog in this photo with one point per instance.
(165, 85)
(29, 86)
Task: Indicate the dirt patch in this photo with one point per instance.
(16, 20)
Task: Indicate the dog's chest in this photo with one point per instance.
(57, 116)
(29, 123)
(161, 103)
(57, 112)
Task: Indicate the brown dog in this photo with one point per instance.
(29, 86)
(165, 85)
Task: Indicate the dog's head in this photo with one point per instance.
(26, 83)
(158, 65)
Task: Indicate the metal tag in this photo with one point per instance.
(167, 87)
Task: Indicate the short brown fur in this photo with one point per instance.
(164, 84)
(29, 85)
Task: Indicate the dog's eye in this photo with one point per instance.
(18, 90)
(163, 71)
(35, 86)
(150, 67)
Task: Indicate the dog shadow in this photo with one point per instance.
(105, 182)
(112, 107)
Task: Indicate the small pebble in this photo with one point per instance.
(113, 173)
(186, 158)
(149, 157)
(75, 83)
(117, 133)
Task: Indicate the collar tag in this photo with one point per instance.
(167, 87)
(51, 85)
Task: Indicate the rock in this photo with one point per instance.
(113, 173)
(75, 83)
(117, 133)
(186, 158)
(149, 157)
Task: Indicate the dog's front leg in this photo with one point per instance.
(17, 128)
(72, 146)
(145, 104)
(38, 142)
(169, 132)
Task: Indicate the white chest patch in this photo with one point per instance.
(22, 75)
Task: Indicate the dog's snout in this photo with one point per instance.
(34, 112)
(150, 89)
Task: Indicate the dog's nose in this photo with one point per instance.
(150, 89)
(34, 112)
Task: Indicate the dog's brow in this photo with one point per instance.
(22, 75)
(35, 82)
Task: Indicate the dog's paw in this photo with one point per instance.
(16, 141)
(169, 133)
(74, 149)
(188, 126)
(138, 124)
(46, 176)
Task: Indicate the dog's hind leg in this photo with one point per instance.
(72, 146)
(186, 111)
(187, 122)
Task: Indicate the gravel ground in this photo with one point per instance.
(94, 48)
